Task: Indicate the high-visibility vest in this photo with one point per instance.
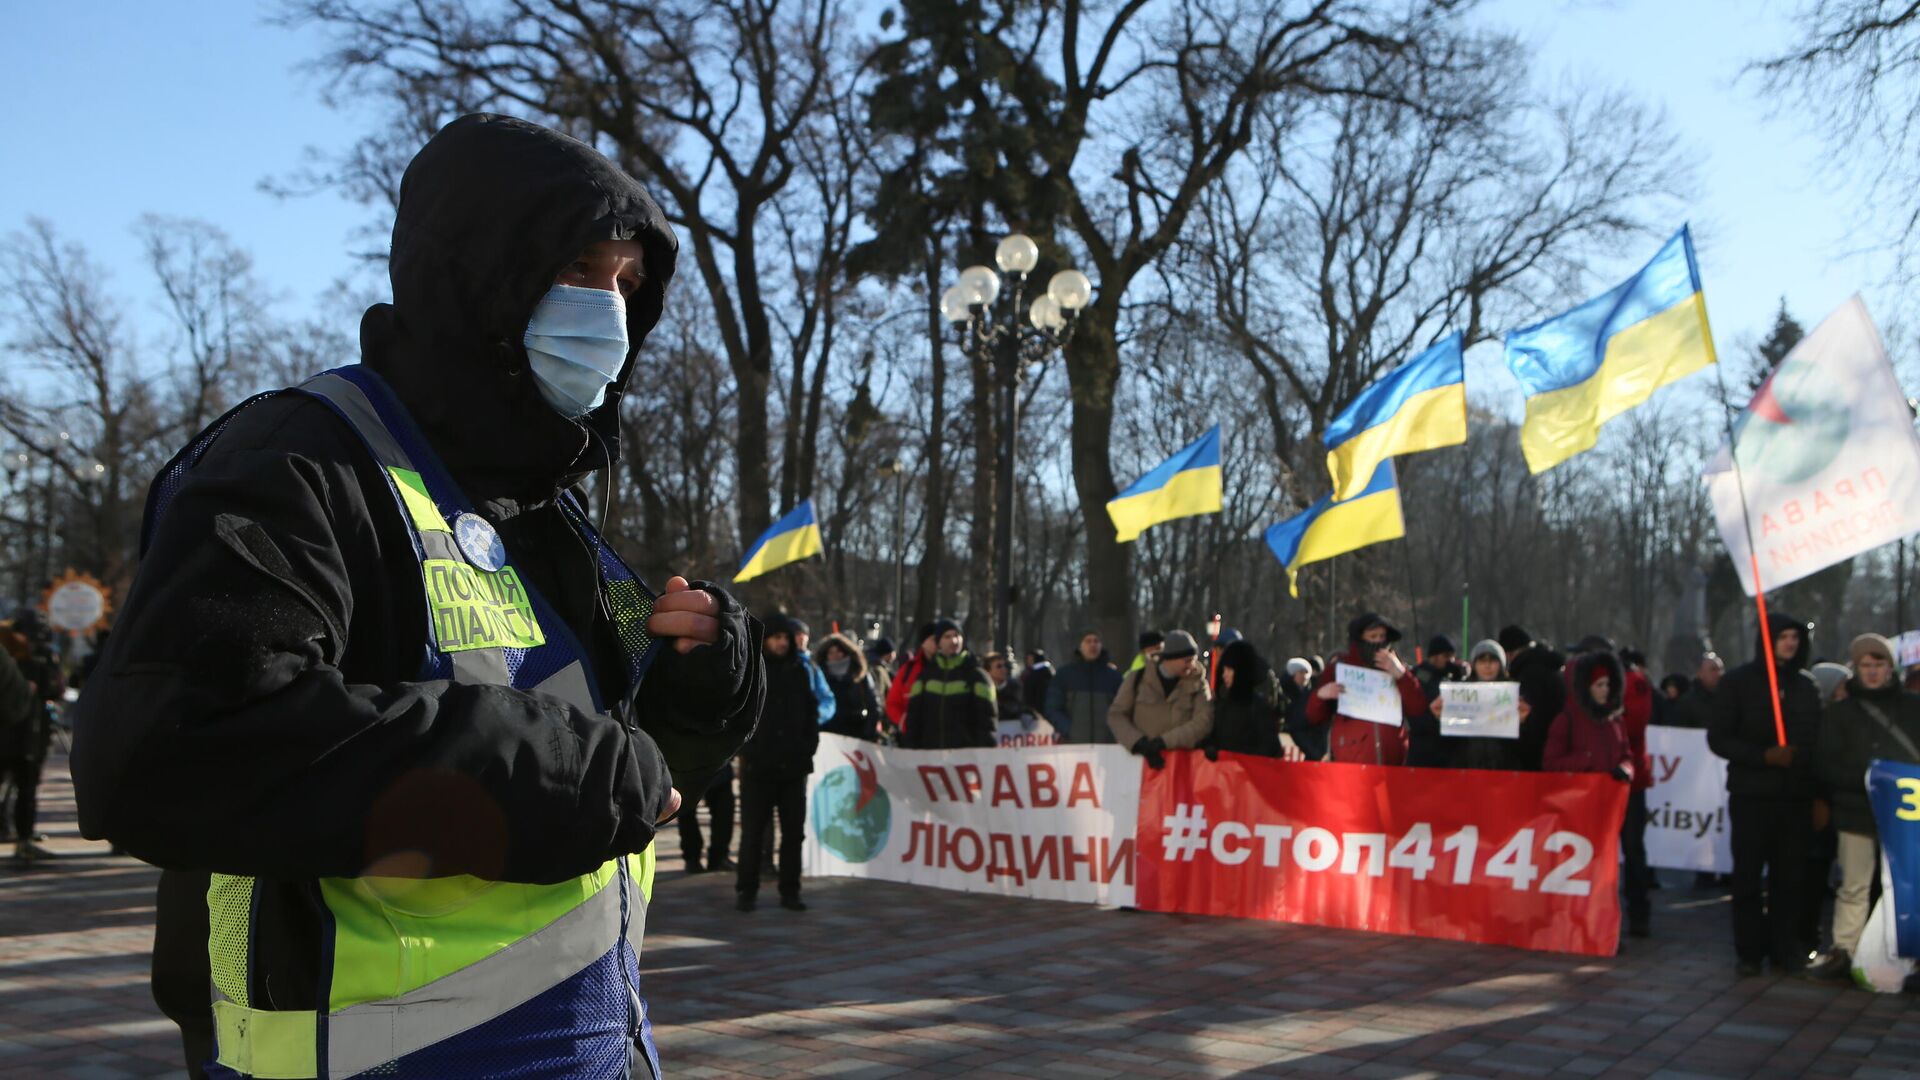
(454, 976)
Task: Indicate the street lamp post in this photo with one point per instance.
(898, 470)
(999, 336)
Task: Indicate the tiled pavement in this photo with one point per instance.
(883, 980)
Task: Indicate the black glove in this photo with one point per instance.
(1154, 748)
(1141, 745)
(1212, 752)
(1621, 774)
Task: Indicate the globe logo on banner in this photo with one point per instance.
(852, 815)
(1796, 426)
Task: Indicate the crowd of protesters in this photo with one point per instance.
(1798, 812)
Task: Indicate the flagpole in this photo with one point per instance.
(1753, 560)
(1466, 545)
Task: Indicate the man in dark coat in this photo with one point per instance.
(774, 768)
(1538, 668)
(1079, 695)
(1426, 747)
(260, 709)
(1769, 794)
(1695, 707)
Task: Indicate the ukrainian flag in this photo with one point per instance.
(1420, 405)
(1185, 484)
(1584, 368)
(1334, 527)
(794, 537)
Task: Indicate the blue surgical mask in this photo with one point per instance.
(577, 342)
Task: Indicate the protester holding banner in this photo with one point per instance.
(1351, 739)
(1876, 720)
(856, 710)
(1244, 721)
(1080, 694)
(1590, 735)
(951, 703)
(774, 766)
(1487, 664)
(1164, 705)
(1769, 794)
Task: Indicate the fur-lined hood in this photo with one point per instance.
(859, 656)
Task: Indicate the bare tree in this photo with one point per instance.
(1855, 70)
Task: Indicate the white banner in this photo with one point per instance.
(1028, 731)
(1828, 456)
(1049, 822)
(1367, 694)
(1687, 805)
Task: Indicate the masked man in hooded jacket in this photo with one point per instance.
(396, 721)
(1770, 792)
(1352, 740)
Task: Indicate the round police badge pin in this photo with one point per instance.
(478, 542)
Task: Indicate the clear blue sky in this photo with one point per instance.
(116, 108)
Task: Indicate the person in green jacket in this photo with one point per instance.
(952, 704)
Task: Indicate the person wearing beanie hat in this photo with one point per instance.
(926, 643)
(1079, 695)
(1370, 641)
(952, 703)
(1831, 678)
(1035, 680)
(1876, 720)
(1486, 663)
(1295, 688)
(1163, 705)
(774, 766)
(1441, 665)
(1151, 642)
(880, 672)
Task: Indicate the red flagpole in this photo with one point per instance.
(1766, 645)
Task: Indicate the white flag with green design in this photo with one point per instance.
(1828, 457)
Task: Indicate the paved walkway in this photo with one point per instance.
(886, 980)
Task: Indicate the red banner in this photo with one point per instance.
(1503, 858)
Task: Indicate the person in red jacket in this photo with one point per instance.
(1370, 641)
(1591, 735)
(1638, 876)
(904, 678)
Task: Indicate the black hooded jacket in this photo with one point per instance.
(1244, 720)
(1741, 728)
(258, 709)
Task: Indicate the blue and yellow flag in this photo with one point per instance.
(1329, 528)
(1584, 368)
(794, 537)
(1185, 484)
(1420, 405)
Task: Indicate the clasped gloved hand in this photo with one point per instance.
(1212, 752)
(1151, 748)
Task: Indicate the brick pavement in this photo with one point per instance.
(884, 980)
